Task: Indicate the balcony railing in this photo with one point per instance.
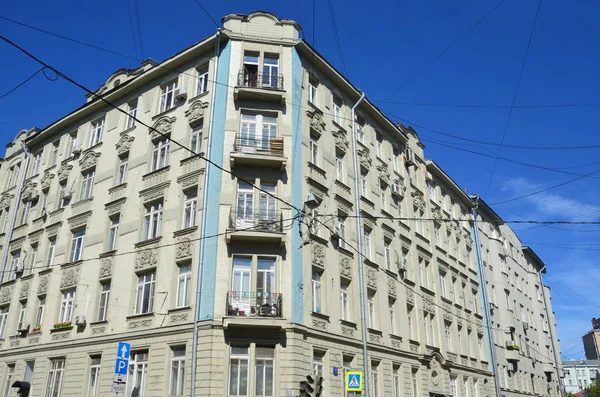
(260, 80)
(256, 221)
(253, 304)
(258, 145)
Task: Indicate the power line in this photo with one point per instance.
(337, 37)
(299, 16)
(22, 83)
(129, 5)
(136, 7)
(207, 13)
(445, 49)
(458, 105)
(68, 38)
(514, 98)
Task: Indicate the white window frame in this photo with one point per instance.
(317, 297)
(337, 109)
(189, 209)
(160, 154)
(202, 80)
(55, 376)
(196, 137)
(341, 230)
(122, 173)
(145, 291)
(54, 153)
(367, 243)
(37, 161)
(183, 285)
(153, 221)
(339, 168)
(51, 251)
(448, 335)
(132, 107)
(104, 301)
(113, 232)
(77, 241)
(410, 323)
(314, 150)
(241, 361)
(34, 251)
(40, 311)
(97, 128)
(10, 371)
(167, 95)
(22, 315)
(87, 184)
(392, 314)
(177, 381)
(371, 310)
(443, 284)
(345, 301)
(387, 250)
(67, 305)
(313, 85)
(93, 384)
(137, 374)
(3, 321)
(264, 362)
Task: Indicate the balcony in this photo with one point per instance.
(257, 226)
(258, 151)
(253, 309)
(259, 86)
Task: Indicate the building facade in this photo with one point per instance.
(591, 341)
(579, 374)
(221, 202)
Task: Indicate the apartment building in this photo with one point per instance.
(240, 268)
(591, 341)
(579, 374)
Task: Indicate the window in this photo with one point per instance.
(395, 155)
(122, 174)
(344, 301)
(453, 390)
(313, 83)
(13, 175)
(257, 130)
(379, 146)
(3, 321)
(160, 154)
(189, 209)
(196, 137)
(267, 204)
(72, 143)
(314, 150)
(167, 96)
(392, 312)
(480, 347)
(37, 160)
(137, 374)
(360, 129)
(341, 231)
(387, 254)
(443, 284)
(132, 113)
(177, 372)
(63, 196)
(153, 220)
(316, 291)
(371, 310)
(113, 232)
(54, 153)
(87, 184)
(431, 188)
(415, 382)
(77, 245)
(202, 85)
(238, 371)
(375, 378)
(51, 249)
(264, 384)
(10, 370)
(40, 312)
(424, 272)
(183, 285)
(94, 378)
(507, 299)
(14, 264)
(410, 322)
(104, 300)
(66, 306)
(337, 109)
(419, 224)
(3, 219)
(396, 380)
(55, 375)
(145, 293)
(436, 234)
(270, 71)
(96, 135)
(448, 335)
(459, 334)
(384, 200)
(22, 315)
(339, 168)
(33, 259)
(364, 186)
(367, 243)
(453, 295)
(319, 363)
(474, 301)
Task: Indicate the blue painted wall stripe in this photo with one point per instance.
(211, 208)
(484, 311)
(297, 199)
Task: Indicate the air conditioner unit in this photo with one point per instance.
(510, 345)
(525, 325)
(396, 190)
(68, 195)
(19, 269)
(429, 177)
(403, 264)
(180, 93)
(24, 327)
(80, 320)
(76, 148)
(409, 157)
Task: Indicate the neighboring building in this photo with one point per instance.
(109, 229)
(591, 341)
(579, 374)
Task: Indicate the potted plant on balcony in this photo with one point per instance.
(37, 328)
(64, 324)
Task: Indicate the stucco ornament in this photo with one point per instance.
(69, 278)
(372, 278)
(6, 294)
(196, 111)
(392, 287)
(146, 258)
(43, 285)
(316, 121)
(318, 254)
(418, 200)
(428, 304)
(435, 372)
(365, 158)
(124, 144)
(28, 191)
(89, 160)
(410, 297)
(384, 173)
(436, 213)
(163, 126)
(106, 268)
(340, 140)
(345, 267)
(47, 180)
(6, 200)
(63, 171)
(184, 248)
(24, 290)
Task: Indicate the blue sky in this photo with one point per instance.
(384, 43)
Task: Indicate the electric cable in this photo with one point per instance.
(135, 47)
(22, 83)
(337, 37)
(458, 105)
(207, 13)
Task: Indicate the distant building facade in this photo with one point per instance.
(591, 341)
(579, 374)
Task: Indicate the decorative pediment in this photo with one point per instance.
(43, 285)
(317, 123)
(63, 171)
(70, 277)
(436, 213)
(47, 181)
(29, 191)
(184, 248)
(106, 268)
(6, 294)
(392, 289)
(384, 173)
(146, 258)
(365, 158)
(341, 142)
(124, 144)
(24, 290)
(372, 279)
(196, 111)
(6, 200)
(318, 254)
(418, 200)
(346, 267)
(89, 160)
(163, 126)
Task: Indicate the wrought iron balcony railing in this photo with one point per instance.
(258, 221)
(258, 145)
(271, 81)
(253, 304)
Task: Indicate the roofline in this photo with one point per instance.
(480, 203)
(528, 251)
(439, 172)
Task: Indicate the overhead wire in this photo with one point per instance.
(473, 106)
(337, 37)
(21, 84)
(207, 13)
(135, 47)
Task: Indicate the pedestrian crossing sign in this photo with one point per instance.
(354, 381)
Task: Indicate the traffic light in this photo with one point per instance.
(23, 388)
(306, 387)
(320, 387)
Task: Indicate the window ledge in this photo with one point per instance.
(391, 273)
(127, 130)
(198, 96)
(427, 290)
(98, 322)
(149, 241)
(345, 250)
(375, 331)
(9, 282)
(62, 329)
(107, 254)
(185, 231)
(348, 323)
(166, 168)
(71, 264)
(179, 309)
(141, 315)
(314, 106)
(447, 300)
(28, 276)
(96, 146)
(396, 337)
(164, 112)
(320, 315)
(338, 125)
(47, 270)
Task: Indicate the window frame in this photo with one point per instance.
(184, 278)
(67, 305)
(96, 131)
(190, 206)
(145, 289)
(167, 95)
(87, 184)
(104, 301)
(55, 377)
(77, 242)
(202, 79)
(160, 153)
(153, 216)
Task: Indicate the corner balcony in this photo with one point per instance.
(253, 309)
(258, 226)
(259, 86)
(258, 152)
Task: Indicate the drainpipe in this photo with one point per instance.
(16, 210)
(486, 304)
(550, 325)
(203, 222)
(361, 270)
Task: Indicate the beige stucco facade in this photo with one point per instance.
(117, 255)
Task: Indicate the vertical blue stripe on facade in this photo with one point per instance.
(211, 208)
(297, 289)
(481, 289)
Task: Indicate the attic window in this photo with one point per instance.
(116, 83)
